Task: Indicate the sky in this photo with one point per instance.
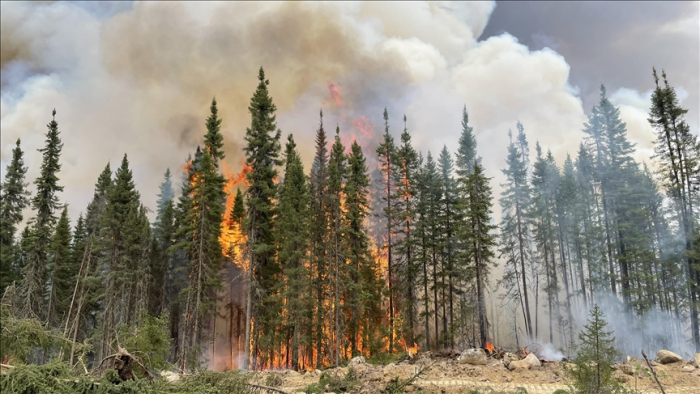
(138, 78)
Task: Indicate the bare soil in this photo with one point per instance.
(445, 375)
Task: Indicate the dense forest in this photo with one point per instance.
(310, 267)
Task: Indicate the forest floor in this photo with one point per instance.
(446, 375)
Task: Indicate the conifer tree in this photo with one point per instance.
(293, 229)
(166, 195)
(448, 224)
(676, 147)
(466, 151)
(262, 155)
(163, 265)
(407, 167)
(116, 245)
(515, 206)
(201, 227)
(13, 199)
(319, 205)
(595, 356)
(337, 173)
(213, 139)
(364, 287)
(45, 203)
(478, 236)
(61, 270)
(386, 152)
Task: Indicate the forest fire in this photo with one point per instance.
(489, 347)
(334, 94)
(232, 238)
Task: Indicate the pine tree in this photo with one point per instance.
(201, 228)
(407, 271)
(596, 354)
(262, 155)
(676, 147)
(165, 196)
(61, 270)
(466, 152)
(45, 203)
(386, 152)
(13, 199)
(515, 207)
(478, 236)
(293, 228)
(213, 139)
(163, 265)
(115, 245)
(318, 206)
(337, 174)
(448, 224)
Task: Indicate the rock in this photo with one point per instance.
(316, 372)
(473, 357)
(697, 360)
(355, 361)
(688, 368)
(667, 357)
(533, 360)
(520, 365)
(508, 358)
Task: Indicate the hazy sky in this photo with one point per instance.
(138, 78)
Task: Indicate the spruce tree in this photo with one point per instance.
(515, 207)
(162, 266)
(262, 155)
(448, 225)
(407, 271)
(200, 230)
(363, 289)
(337, 173)
(676, 149)
(165, 195)
(386, 152)
(479, 238)
(45, 203)
(293, 229)
(61, 270)
(13, 199)
(319, 205)
(466, 151)
(213, 139)
(595, 356)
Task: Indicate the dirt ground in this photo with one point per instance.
(446, 375)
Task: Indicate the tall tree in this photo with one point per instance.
(515, 207)
(448, 224)
(677, 149)
(203, 228)
(337, 173)
(13, 199)
(293, 228)
(386, 152)
(45, 203)
(478, 235)
(61, 270)
(363, 290)
(319, 205)
(262, 155)
(407, 168)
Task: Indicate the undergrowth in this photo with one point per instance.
(56, 377)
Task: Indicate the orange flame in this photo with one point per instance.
(334, 94)
(489, 347)
(232, 237)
